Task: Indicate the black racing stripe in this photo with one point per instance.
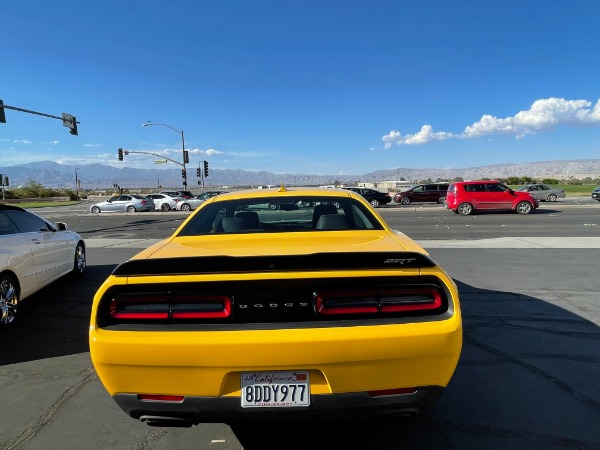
(257, 264)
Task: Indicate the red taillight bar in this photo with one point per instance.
(161, 398)
(388, 392)
(410, 300)
(385, 301)
(359, 302)
(170, 307)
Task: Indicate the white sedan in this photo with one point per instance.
(34, 253)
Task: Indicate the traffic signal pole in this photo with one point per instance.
(69, 121)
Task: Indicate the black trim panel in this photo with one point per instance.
(195, 410)
(257, 264)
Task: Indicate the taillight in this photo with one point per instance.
(161, 398)
(379, 302)
(176, 307)
(356, 302)
(410, 300)
(144, 202)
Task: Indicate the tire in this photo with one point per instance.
(524, 207)
(551, 198)
(465, 209)
(441, 200)
(131, 209)
(79, 262)
(404, 201)
(165, 207)
(186, 207)
(95, 210)
(374, 203)
(9, 299)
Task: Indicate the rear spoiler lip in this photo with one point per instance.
(275, 263)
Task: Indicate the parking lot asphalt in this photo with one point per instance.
(527, 377)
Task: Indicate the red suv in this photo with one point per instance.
(466, 197)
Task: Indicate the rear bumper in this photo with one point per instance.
(357, 405)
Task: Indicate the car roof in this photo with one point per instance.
(4, 207)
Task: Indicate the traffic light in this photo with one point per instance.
(198, 174)
(70, 122)
(183, 173)
(120, 154)
(2, 115)
(205, 168)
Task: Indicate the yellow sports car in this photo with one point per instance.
(277, 303)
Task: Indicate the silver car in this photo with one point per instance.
(164, 202)
(125, 202)
(189, 204)
(543, 192)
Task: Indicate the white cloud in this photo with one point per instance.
(90, 145)
(22, 141)
(543, 115)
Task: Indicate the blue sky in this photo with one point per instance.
(310, 86)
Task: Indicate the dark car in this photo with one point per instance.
(423, 193)
(373, 196)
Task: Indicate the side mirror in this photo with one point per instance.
(61, 226)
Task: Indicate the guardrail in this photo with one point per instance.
(38, 199)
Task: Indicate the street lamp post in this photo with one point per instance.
(77, 183)
(184, 173)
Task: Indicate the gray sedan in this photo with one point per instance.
(543, 192)
(122, 203)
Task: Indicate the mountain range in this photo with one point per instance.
(98, 176)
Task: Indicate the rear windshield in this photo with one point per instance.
(281, 214)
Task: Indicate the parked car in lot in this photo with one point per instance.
(33, 253)
(467, 197)
(190, 204)
(423, 193)
(164, 202)
(596, 193)
(122, 203)
(252, 314)
(543, 192)
(373, 196)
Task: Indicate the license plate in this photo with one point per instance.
(280, 389)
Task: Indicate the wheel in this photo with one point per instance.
(404, 201)
(95, 210)
(9, 299)
(374, 203)
(464, 209)
(524, 207)
(442, 200)
(551, 197)
(131, 209)
(337, 205)
(165, 207)
(79, 263)
(186, 207)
